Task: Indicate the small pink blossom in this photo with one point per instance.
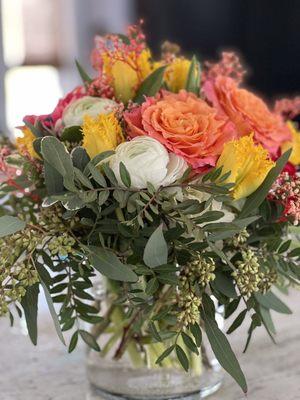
(286, 191)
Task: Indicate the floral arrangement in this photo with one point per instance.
(172, 181)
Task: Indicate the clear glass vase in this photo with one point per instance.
(136, 375)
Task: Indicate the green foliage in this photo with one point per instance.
(156, 249)
(109, 265)
(84, 76)
(10, 225)
(30, 307)
(222, 348)
(193, 79)
(72, 134)
(160, 250)
(271, 301)
(55, 153)
(151, 85)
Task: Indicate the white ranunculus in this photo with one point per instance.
(87, 105)
(147, 160)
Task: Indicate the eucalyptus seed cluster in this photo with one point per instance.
(13, 283)
(61, 245)
(200, 271)
(52, 222)
(267, 280)
(189, 303)
(17, 271)
(240, 239)
(247, 275)
(51, 219)
(14, 245)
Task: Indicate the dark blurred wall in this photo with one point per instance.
(265, 32)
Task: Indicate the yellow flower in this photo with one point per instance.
(248, 163)
(294, 144)
(24, 143)
(101, 133)
(127, 72)
(176, 74)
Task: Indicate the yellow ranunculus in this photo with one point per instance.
(248, 163)
(294, 144)
(127, 72)
(24, 142)
(176, 74)
(101, 133)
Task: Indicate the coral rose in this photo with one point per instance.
(247, 113)
(184, 124)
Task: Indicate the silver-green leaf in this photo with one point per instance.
(156, 249)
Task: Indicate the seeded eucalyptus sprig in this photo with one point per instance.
(164, 251)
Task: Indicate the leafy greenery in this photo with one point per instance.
(162, 253)
(151, 85)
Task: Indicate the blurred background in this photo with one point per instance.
(39, 40)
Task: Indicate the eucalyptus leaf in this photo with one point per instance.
(53, 313)
(222, 350)
(156, 249)
(89, 340)
(30, 306)
(80, 158)
(152, 286)
(124, 174)
(56, 154)
(154, 332)
(224, 284)
(73, 342)
(237, 322)
(190, 344)
(267, 320)
(182, 357)
(165, 354)
(97, 176)
(270, 301)
(53, 180)
(196, 332)
(10, 225)
(108, 264)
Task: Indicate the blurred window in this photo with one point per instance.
(31, 57)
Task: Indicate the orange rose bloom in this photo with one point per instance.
(184, 124)
(247, 113)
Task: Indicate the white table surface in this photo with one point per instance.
(47, 372)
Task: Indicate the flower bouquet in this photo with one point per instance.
(156, 198)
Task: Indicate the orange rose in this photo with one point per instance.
(184, 124)
(247, 113)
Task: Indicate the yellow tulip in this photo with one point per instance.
(101, 133)
(127, 72)
(24, 142)
(176, 74)
(248, 164)
(294, 144)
